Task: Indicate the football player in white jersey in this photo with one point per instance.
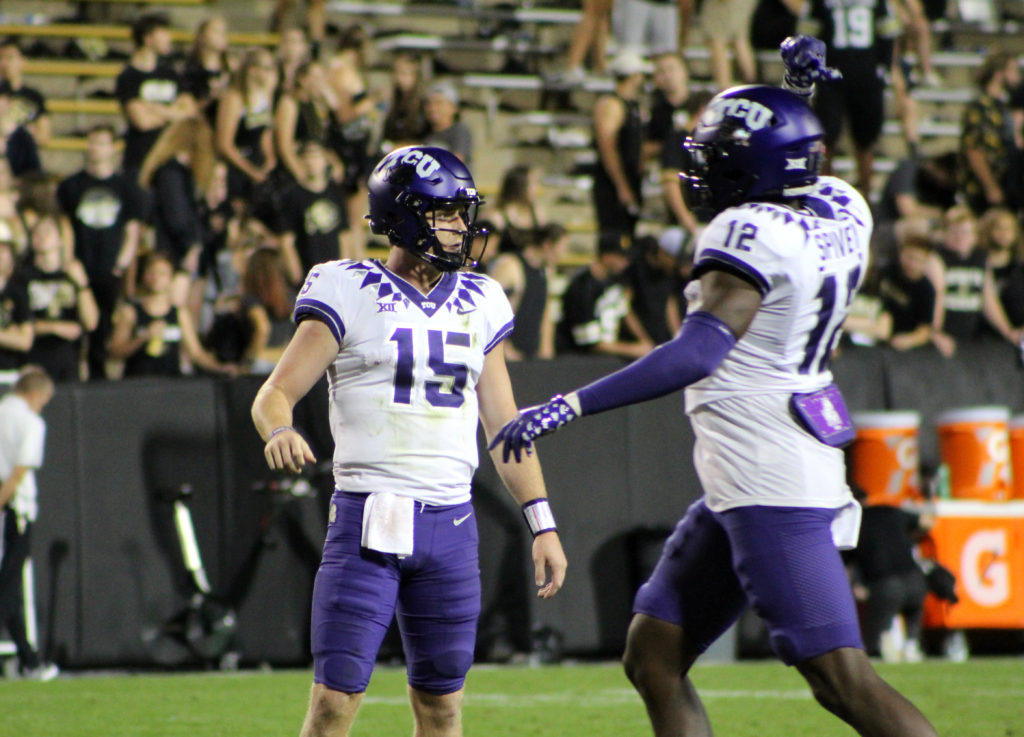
(409, 349)
(777, 268)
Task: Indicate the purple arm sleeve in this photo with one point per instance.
(702, 343)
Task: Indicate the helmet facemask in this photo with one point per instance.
(446, 228)
(706, 169)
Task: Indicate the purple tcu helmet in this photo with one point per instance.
(407, 189)
(752, 143)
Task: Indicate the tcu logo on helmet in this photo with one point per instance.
(754, 115)
(425, 163)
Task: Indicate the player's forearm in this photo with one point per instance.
(146, 115)
(270, 410)
(673, 194)
(17, 337)
(11, 484)
(129, 247)
(993, 310)
(919, 336)
(524, 481)
(982, 171)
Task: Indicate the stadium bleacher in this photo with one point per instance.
(471, 44)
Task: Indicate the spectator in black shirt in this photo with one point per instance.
(967, 294)
(267, 303)
(29, 102)
(596, 313)
(999, 235)
(149, 89)
(18, 146)
(314, 221)
(207, 69)
(672, 163)
(856, 101)
(37, 198)
(670, 112)
(244, 128)
(523, 275)
(654, 279)
(909, 296)
(924, 187)
(306, 112)
(105, 209)
(176, 171)
(518, 208)
(62, 305)
(888, 579)
(917, 193)
(16, 332)
(152, 334)
(618, 138)
(405, 122)
(292, 52)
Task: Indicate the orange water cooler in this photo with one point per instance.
(974, 444)
(1017, 456)
(884, 456)
(982, 543)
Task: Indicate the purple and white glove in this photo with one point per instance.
(804, 57)
(531, 423)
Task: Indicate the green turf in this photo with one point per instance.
(980, 698)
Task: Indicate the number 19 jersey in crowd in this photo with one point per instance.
(403, 403)
(807, 264)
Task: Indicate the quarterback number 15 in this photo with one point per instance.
(436, 341)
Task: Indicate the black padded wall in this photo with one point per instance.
(108, 564)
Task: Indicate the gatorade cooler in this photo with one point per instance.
(884, 457)
(974, 444)
(1017, 456)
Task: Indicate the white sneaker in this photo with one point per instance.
(955, 647)
(891, 642)
(574, 77)
(42, 672)
(912, 652)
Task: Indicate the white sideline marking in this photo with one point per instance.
(596, 698)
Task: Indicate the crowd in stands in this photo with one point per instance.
(181, 250)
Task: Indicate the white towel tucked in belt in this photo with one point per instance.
(846, 526)
(387, 523)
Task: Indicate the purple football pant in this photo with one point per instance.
(435, 593)
(780, 560)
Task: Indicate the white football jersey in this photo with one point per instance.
(808, 265)
(403, 387)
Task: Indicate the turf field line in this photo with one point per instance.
(598, 698)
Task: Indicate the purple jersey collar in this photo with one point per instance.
(429, 303)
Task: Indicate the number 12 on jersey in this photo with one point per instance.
(835, 295)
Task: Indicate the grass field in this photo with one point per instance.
(980, 698)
